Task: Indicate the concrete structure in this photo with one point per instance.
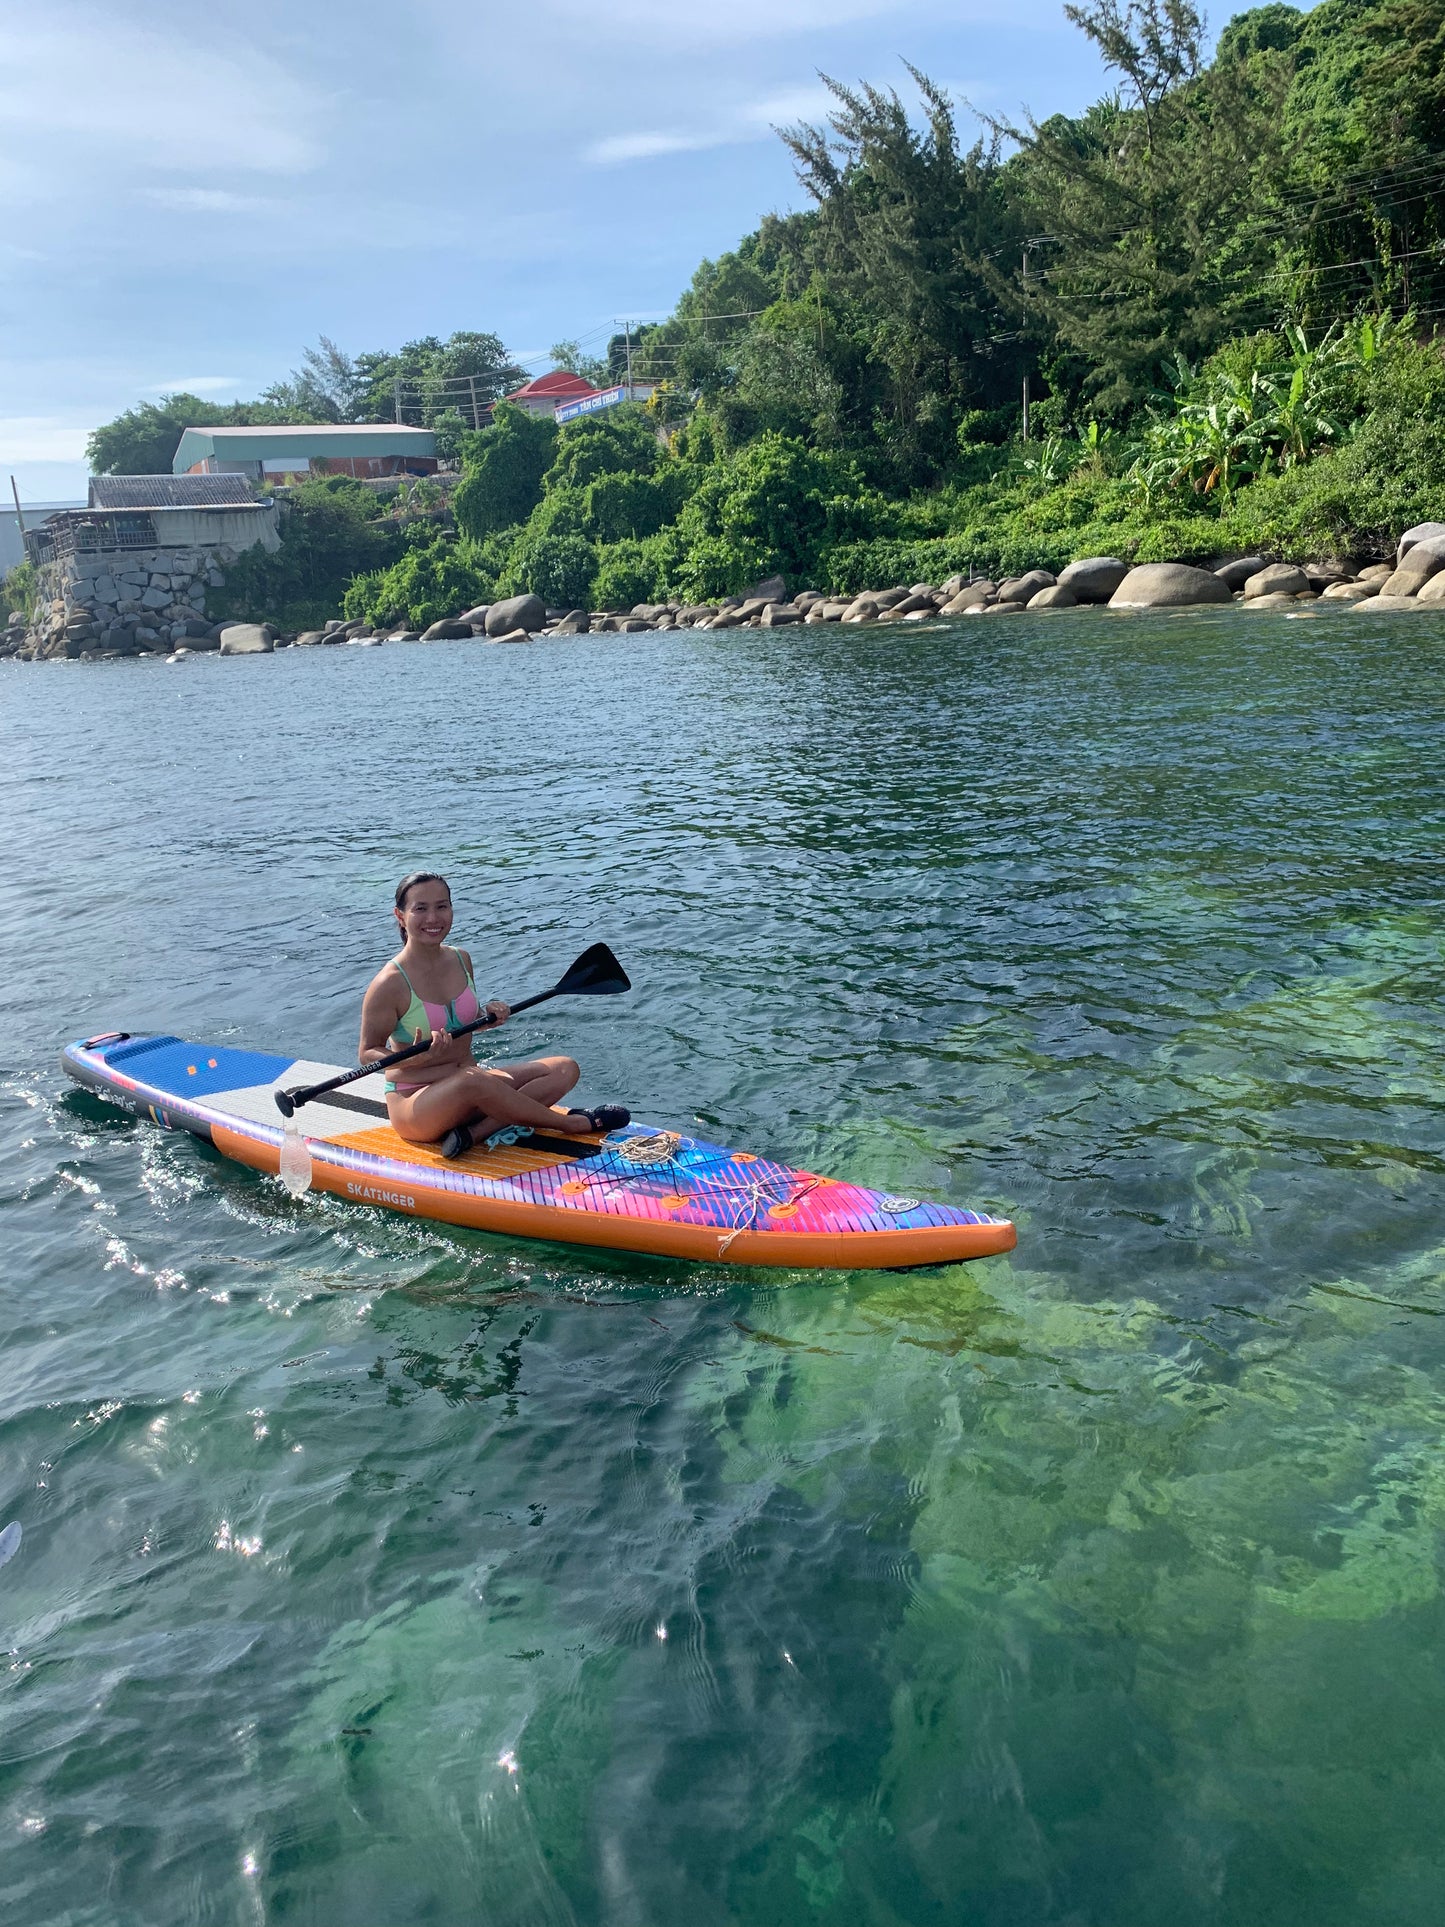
(272, 454)
(130, 571)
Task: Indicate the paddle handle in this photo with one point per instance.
(289, 1102)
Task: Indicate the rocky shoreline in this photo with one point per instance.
(1414, 579)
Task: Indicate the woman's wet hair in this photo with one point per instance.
(420, 876)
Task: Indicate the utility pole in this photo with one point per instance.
(472, 385)
(1026, 379)
(627, 328)
(397, 392)
(19, 518)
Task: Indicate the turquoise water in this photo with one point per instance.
(379, 1573)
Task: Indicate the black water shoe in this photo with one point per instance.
(457, 1141)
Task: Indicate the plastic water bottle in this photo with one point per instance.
(295, 1160)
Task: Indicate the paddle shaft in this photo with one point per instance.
(295, 1099)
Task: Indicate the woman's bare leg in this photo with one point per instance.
(489, 1099)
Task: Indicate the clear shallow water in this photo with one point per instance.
(372, 1572)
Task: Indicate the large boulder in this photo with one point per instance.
(1022, 588)
(1060, 596)
(1359, 591)
(1093, 578)
(1422, 560)
(476, 618)
(1422, 532)
(1168, 585)
(972, 597)
(247, 639)
(862, 608)
(447, 631)
(576, 622)
(1434, 589)
(1238, 572)
(772, 588)
(1278, 578)
(517, 612)
(778, 613)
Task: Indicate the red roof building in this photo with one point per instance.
(551, 391)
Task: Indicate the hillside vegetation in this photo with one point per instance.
(1221, 284)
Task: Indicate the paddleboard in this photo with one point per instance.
(639, 1189)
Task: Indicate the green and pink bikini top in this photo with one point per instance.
(421, 1019)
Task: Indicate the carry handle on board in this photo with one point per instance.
(596, 973)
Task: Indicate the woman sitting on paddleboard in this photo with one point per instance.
(443, 1093)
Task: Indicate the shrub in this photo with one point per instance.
(329, 534)
(18, 590)
(437, 577)
(559, 568)
(629, 572)
(504, 468)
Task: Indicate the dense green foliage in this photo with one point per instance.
(1220, 281)
(330, 532)
(18, 589)
(1218, 286)
(503, 480)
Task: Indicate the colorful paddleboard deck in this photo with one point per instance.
(639, 1189)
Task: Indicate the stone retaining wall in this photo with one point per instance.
(128, 600)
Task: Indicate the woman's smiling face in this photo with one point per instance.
(426, 916)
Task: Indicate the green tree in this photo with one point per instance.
(559, 568)
(1152, 202)
(774, 506)
(504, 467)
(327, 387)
(430, 376)
(143, 440)
(593, 368)
(905, 219)
(330, 533)
(435, 577)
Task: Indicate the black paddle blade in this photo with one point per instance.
(596, 973)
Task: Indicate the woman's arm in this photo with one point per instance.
(382, 1009)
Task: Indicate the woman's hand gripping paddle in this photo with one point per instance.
(596, 973)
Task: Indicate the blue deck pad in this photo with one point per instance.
(193, 1070)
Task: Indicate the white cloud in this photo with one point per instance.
(646, 147)
(723, 125)
(210, 200)
(196, 385)
(90, 95)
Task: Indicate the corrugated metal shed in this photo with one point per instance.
(170, 492)
(347, 440)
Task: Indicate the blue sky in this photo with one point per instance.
(191, 194)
